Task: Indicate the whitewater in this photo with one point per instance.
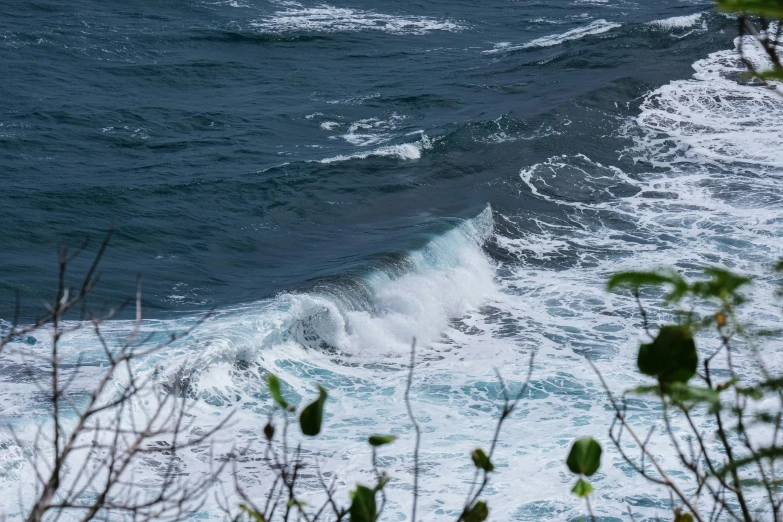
(684, 173)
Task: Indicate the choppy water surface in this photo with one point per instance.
(335, 179)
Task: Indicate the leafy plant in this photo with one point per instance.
(755, 18)
(367, 503)
(698, 383)
(671, 357)
(583, 460)
(311, 417)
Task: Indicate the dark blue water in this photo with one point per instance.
(197, 128)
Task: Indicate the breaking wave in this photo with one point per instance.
(593, 28)
(404, 151)
(329, 19)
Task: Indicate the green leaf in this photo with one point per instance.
(274, 390)
(478, 513)
(582, 488)
(311, 417)
(722, 284)
(380, 440)
(642, 390)
(671, 357)
(757, 392)
(682, 394)
(758, 483)
(683, 517)
(252, 513)
(766, 8)
(659, 277)
(766, 418)
(585, 456)
(481, 460)
(774, 384)
(363, 508)
(776, 73)
(753, 393)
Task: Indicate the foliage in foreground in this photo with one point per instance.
(367, 502)
(721, 406)
(721, 413)
(85, 450)
(761, 20)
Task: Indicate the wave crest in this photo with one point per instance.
(404, 151)
(593, 28)
(329, 19)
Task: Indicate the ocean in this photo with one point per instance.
(335, 179)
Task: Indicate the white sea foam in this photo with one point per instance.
(504, 131)
(553, 21)
(371, 131)
(712, 118)
(329, 125)
(593, 28)
(354, 100)
(329, 19)
(681, 26)
(678, 22)
(183, 294)
(405, 151)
